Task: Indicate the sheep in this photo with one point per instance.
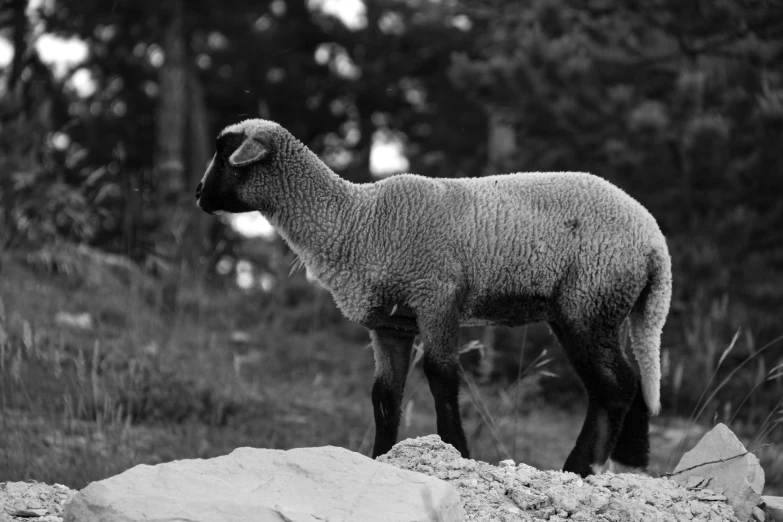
(411, 255)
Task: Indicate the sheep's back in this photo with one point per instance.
(518, 235)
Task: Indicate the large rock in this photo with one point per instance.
(308, 484)
(740, 479)
(773, 508)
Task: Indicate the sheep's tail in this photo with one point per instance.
(646, 321)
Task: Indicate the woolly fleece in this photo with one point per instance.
(426, 255)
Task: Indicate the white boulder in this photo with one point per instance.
(298, 485)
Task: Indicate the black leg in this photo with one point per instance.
(611, 386)
(633, 444)
(392, 357)
(443, 378)
(440, 333)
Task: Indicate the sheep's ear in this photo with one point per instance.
(249, 152)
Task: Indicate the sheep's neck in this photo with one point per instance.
(317, 221)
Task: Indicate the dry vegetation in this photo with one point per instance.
(124, 379)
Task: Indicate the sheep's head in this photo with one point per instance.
(243, 175)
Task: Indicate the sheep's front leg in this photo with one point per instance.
(441, 367)
(392, 350)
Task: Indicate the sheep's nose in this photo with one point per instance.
(198, 190)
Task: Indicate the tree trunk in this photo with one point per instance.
(182, 148)
(200, 148)
(169, 164)
(171, 117)
(133, 215)
(19, 24)
(175, 207)
(502, 141)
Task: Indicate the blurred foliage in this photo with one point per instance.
(678, 103)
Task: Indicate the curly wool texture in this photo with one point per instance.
(572, 244)
(568, 248)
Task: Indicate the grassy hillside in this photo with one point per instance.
(100, 370)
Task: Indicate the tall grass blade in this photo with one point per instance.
(772, 374)
(769, 424)
(27, 336)
(729, 348)
(516, 395)
(694, 416)
(700, 404)
(486, 416)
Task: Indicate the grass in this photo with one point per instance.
(148, 384)
(135, 389)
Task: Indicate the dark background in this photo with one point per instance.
(124, 336)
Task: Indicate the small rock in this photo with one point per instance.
(526, 499)
(598, 502)
(773, 507)
(563, 500)
(29, 513)
(525, 474)
(741, 478)
(697, 509)
(693, 482)
(240, 337)
(632, 512)
(758, 514)
(710, 497)
(681, 512)
(81, 321)
(617, 483)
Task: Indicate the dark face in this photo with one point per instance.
(238, 177)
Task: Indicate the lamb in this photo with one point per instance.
(411, 255)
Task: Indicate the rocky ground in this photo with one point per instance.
(512, 492)
(33, 501)
(506, 493)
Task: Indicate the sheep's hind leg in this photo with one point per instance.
(441, 367)
(611, 386)
(392, 350)
(633, 443)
